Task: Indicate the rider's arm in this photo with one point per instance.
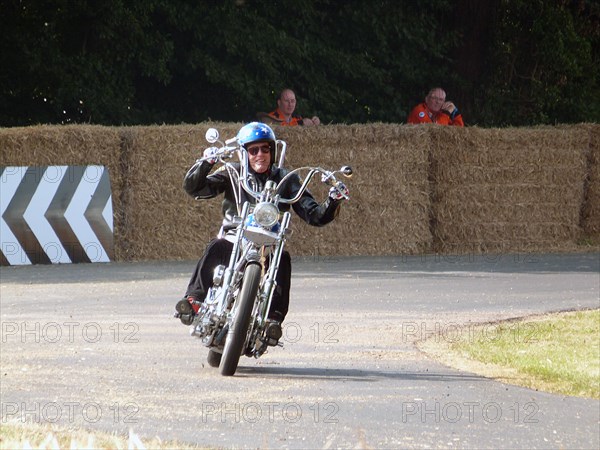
(309, 209)
(314, 213)
(199, 184)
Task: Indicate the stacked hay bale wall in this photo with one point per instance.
(389, 191)
(389, 209)
(163, 222)
(590, 214)
(513, 189)
(416, 189)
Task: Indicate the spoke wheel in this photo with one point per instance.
(236, 337)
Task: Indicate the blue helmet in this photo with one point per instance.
(257, 132)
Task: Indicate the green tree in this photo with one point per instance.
(352, 61)
(515, 62)
(66, 61)
(544, 67)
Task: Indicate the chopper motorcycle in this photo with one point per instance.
(233, 318)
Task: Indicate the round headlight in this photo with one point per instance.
(266, 214)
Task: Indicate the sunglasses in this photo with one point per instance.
(264, 149)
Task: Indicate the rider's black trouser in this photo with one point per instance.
(218, 251)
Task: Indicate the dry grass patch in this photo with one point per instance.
(19, 435)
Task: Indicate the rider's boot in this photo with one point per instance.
(273, 331)
(186, 309)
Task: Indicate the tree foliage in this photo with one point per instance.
(545, 70)
(131, 62)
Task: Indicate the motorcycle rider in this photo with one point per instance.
(259, 141)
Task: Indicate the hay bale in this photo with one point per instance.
(590, 211)
(164, 219)
(513, 189)
(47, 145)
(164, 222)
(388, 211)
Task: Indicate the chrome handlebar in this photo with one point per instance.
(328, 177)
(227, 151)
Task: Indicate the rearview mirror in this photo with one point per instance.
(212, 135)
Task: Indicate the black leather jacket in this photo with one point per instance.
(200, 185)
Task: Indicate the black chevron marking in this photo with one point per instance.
(56, 214)
(3, 260)
(13, 216)
(93, 214)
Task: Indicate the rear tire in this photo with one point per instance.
(236, 337)
(213, 358)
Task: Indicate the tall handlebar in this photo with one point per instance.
(226, 151)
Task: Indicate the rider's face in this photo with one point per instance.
(259, 156)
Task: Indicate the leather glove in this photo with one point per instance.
(339, 191)
(210, 152)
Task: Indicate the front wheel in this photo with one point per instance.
(236, 337)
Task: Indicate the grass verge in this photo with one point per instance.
(19, 435)
(557, 353)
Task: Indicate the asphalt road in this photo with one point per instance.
(94, 345)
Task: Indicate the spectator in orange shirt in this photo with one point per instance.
(284, 114)
(436, 109)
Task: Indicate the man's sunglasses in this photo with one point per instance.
(264, 149)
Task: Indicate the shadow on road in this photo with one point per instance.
(318, 373)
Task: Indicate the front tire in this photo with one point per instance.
(236, 337)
